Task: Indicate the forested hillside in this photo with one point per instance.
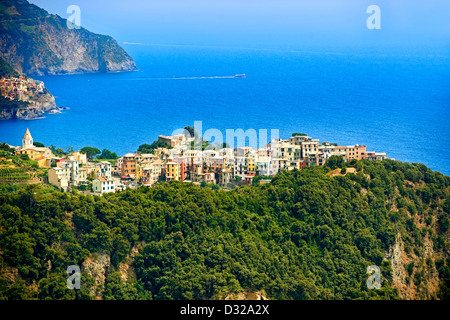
(35, 42)
(305, 235)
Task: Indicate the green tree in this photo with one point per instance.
(106, 154)
(334, 162)
(192, 132)
(150, 148)
(54, 287)
(90, 152)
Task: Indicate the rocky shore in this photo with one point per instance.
(31, 108)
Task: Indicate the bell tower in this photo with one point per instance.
(27, 140)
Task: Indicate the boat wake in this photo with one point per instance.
(35, 118)
(190, 78)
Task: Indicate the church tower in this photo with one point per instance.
(27, 140)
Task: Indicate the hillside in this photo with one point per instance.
(6, 70)
(305, 235)
(35, 42)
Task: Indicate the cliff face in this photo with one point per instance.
(36, 107)
(38, 43)
(34, 42)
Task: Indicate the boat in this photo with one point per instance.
(240, 75)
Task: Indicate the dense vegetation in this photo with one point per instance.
(17, 169)
(6, 70)
(14, 175)
(7, 104)
(150, 148)
(305, 235)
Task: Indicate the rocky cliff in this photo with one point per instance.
(35, 42)
(32, 108)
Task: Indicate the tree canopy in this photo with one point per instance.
(150, 148)
(304, 235)
(90, 152)
(106, 154)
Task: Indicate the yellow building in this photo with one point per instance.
(42, 161)
(251, 163)
(78, 156)
(31, 152)
(172, 171)
(82, 174)
(140, 167)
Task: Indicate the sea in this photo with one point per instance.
(394, 100)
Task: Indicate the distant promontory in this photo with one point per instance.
(35, 42)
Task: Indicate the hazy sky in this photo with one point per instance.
(262, 23)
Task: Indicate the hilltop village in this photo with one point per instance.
(22, 97)
(16, 88)
(178, 160)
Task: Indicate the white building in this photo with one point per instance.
(240, 167)
(103, 169)
(102, 185)
(264, 166)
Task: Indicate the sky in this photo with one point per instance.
(263, 23)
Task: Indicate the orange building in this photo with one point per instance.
(355, 152)
(129, 164)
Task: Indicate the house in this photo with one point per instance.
(129, 163)
(355, 152)
(151, 172)
(264, 166)
(58, 177)
(103, 169)
(102, 185)
(175, 140)
(78, 156)
(199, 177)
(240, 167)
(172, 171)
(249, 179)
(309, 146)
(340, 151)
(372, 155)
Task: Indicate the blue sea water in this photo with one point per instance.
(392, 100)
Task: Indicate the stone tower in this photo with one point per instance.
(27, 140)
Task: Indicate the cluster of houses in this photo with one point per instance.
(16, 87)
(71, 170)
(225, 167)
(228, 166)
